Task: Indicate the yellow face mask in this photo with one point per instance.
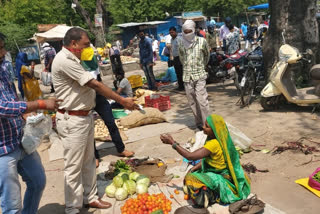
(87, 54)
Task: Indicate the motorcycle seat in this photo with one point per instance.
(315, 72)
(254, 57)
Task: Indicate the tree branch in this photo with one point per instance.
(84, 14)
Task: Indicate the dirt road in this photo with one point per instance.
(266, 129)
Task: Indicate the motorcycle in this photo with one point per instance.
(281, 83)
(253, 77)
(222, 67)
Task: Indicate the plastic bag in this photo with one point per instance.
(46, 78)
(36, 127)
(313, 183)
(238, 137)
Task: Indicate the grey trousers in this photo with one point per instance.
(198, 100)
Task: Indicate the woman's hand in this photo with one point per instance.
(167, 139)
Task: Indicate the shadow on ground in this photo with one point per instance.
(59, 208)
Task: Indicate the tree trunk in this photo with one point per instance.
(98, 32)
(298, 19)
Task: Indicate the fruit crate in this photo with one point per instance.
(135, 81)
(157, 101)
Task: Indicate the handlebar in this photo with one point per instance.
(306, 60)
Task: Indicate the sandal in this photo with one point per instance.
(248, 206)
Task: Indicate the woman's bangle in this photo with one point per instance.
(42, 104)
(174, 145)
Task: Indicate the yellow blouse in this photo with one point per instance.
(216, 158)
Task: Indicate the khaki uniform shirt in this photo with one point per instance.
(69, 78)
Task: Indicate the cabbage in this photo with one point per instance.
(130, 186)
(125, 177)
(118, 181)
(110, 190)
(141, 188)
(142, 179)
(121, 194)
(134, 176)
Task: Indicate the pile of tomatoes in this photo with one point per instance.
(146, 204)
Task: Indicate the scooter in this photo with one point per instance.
(282, 85)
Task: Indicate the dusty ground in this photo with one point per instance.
(266, 129)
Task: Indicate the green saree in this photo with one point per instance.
(227, 185)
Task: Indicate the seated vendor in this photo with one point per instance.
(123, 85)
(219, 176)
(170, 76)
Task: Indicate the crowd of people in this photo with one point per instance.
(78, 89)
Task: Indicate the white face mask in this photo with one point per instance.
(189, 36)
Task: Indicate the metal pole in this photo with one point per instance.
(16, 45)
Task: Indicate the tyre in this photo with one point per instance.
(269, 103)
(247, 86)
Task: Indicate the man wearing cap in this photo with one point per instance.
(77, 88)
(49, 54)
(224, 31)
(194, 55)
(212, 38)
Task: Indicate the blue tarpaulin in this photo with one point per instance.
(259, 7)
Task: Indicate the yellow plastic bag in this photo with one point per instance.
(30, 86)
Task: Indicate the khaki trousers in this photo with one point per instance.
(77, 136)
(198, 100)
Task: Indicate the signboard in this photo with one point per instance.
(191, 14)
(98, 20)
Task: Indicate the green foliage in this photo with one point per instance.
(16, 33)
(142, 10)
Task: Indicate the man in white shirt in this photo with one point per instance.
(174, 52)
(224, 31)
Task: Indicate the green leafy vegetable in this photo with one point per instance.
(121, 166)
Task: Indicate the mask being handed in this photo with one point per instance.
(189, 36)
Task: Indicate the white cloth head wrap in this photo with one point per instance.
(188, 39)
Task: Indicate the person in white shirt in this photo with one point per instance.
(174, 52)
(224, 31)
(155, 48)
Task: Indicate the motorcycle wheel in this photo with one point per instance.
(248, 89)
(269, 103)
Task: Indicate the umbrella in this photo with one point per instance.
(259, 7)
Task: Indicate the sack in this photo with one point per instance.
(139, 118)
(313, 183)
(36, 127)
(46, 78)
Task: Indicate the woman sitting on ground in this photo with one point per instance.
(219, 176)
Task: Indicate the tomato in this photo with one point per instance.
(186, 197)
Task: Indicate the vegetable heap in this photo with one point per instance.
(316, 177)
(121, 166)
(125, 184)
(145, 203)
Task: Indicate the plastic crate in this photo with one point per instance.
(135, 81)
(157, 101)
